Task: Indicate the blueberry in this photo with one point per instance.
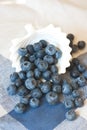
(70, 115)
(58, 54)
(18, 82)
(30, 74)
(81, 81)
(22, 91)
(66, 87)
(30, 49)
(40, 54)
(85, 74)
(49, 59)
(74, 85)
(37, 73)
(20, 108)
(32, 58)
(75, 61)
(22, 51)
(37, 46)
(70, 36)
(26, 66)
(57, 88)
(74, 73)
(56, 79)
(79, 102)
(45, 87)
(46, 75)
(69, 104)
(24, 58)
(81, 44)
(52, 98)
(50, 49)
(75, 93)
(81, 68)
(42, 65)
(30, 83)
(12, 89)
(36, 93)
(25, 99)
(71, 43)
(22, 75)
(14, 76)
(36, 62)
(74, 49)
(44, 43)
(34, 102)
(54, 69)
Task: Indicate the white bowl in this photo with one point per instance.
(52, 35)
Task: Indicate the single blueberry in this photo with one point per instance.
(58, 54)
(54, 69)
(81, 44)
(46, 75)
(36, 93)
(79, 102)
(37, 73)
(42, 66)
(75, 93)
(32, 58)
(26, 66)
(66, 87)
(69, 104)
(56, 79)
(36, 62)
(30, 83)
(50, 49)
(70, 36)
(37, 46)
(57, 88)
(45, 87)
(22, 91)
(12, 89)
(22, 75)
(81, 68)
(74, 49)
(14, 76)
(40, 54)
(75, 61)
(30, 74)
(49, 59)
(70, 115)
(18, 82)
(22, 51)
(52, 98)
(85, 74)
(74, 73)
(20, 108)
(74, 85)
(71, 43)
(44, 43)
(81, 81)
(34, 102)
(30, 49)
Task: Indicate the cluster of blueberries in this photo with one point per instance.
(75, 47)
(39, 77)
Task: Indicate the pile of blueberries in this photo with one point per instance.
(39, 78)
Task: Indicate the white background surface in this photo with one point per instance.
(70, 15)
